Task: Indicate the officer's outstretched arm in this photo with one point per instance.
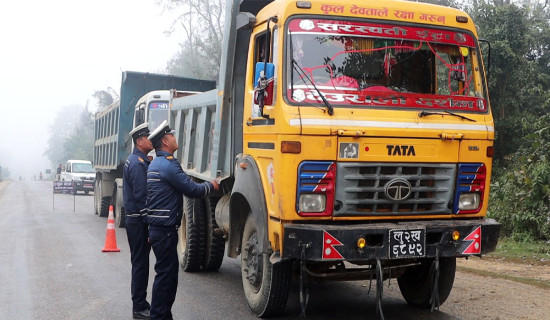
(181, 182)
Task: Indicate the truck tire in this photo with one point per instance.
(265, 285)
(191, 240)
(120, 217)
(104, 206)
(101, 204)
(416, 283)
(215, 244)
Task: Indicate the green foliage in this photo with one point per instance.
(520, 97)
(520, 197)
(523, 250)
(519, 76)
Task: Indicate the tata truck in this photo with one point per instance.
(143, 98)
(352, 140)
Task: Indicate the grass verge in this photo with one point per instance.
(529, 281)
(532, 252)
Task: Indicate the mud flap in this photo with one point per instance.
(304, 294)
(379, 289)
(434, 272)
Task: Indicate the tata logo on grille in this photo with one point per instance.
(398, 189)
(400, 150)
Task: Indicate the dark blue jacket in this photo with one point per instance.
(135, 184)
(166, 182)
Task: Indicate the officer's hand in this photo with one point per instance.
(215, 184)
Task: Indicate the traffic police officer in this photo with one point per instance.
(166, 182)
(135, 196)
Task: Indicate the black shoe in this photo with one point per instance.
(144, 314)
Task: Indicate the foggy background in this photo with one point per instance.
(57, 53)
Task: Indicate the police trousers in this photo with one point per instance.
(164, 241)
(138, 239)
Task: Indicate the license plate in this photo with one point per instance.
(407, 243)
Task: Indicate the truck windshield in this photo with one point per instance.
(383, 65)
(83, 168)
(158, 112)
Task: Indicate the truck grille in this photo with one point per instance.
(361, 188)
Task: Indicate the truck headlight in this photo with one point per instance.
(469, 201)
(470, 188)
(312, 202)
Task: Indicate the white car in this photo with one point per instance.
(81, 172)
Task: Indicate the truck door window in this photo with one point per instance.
(139, 115)
(260, 49)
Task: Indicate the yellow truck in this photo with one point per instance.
(352, 139)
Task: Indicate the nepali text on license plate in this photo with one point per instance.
(407, 243)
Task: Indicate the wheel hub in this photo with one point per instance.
(254, 262)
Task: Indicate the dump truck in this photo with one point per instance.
(143, 98)
(352, 140)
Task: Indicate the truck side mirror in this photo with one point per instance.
(263, 85)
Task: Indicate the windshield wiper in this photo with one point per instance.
(443, 113)
(303, 74)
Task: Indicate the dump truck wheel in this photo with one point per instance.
(215, 243)
(416, 283)
(101, 203)
(120, 217)
(191, 240)
(265, 285)
(104, 206)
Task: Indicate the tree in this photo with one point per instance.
(103, 99)
(202, 21)
(4, 173)
(71, 135)
(80, 143)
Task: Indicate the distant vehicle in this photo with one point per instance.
(82, 173)
(143, 98)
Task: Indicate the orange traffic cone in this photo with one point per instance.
(110, 237)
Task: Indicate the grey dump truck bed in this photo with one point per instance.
(112, 143)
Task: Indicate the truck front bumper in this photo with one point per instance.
(409, 239)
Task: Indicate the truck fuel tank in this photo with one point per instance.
(222, 213)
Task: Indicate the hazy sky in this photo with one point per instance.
(56, 53)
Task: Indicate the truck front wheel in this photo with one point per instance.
(416, 283)
(265, 285)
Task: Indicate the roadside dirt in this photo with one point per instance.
(495, 289)
(539, 271)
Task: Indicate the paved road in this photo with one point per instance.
(52, 267)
